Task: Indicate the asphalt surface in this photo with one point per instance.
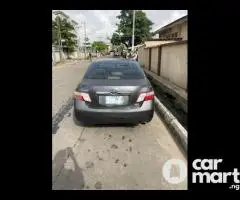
(106, 157)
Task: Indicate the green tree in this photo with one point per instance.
(115, 40)
(99, 46)
(67, 34)
(142, 27)
(121, 47)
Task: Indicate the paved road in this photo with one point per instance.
(64, 81)
(106, 157)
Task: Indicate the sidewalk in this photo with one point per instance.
(73, 61)
(67, 63)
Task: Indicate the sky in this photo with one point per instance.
(102, 23)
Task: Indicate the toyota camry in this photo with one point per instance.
(114, 91)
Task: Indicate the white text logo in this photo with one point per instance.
(214, 176)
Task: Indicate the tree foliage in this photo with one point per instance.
(67, 34)
(121, 47)
(99, 46)
(116, 39)
(142, 27)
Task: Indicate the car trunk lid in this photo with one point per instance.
(113, 93)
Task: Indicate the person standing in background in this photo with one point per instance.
(136, 55)
(90, 56)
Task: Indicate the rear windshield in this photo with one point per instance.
(114, 70)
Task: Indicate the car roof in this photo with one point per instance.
(115, 60)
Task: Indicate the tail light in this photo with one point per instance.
(82, 96)
(146, 96)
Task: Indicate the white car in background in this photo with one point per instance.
(111, 53)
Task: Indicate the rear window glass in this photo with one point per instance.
(114, 70)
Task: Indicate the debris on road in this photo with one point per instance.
(98, 185)
(82, 140)
(99, 157)
(114, 146)
(130, 149)
(89, 164)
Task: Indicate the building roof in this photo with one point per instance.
(150, 44)
(137, 46)
(154, 42)
(113, 60)
(178, 21)
(159, 39)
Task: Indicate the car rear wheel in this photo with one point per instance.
(75, 119)
(150, 118)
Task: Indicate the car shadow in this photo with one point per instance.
(66, 179)
(110, 125)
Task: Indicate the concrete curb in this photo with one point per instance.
(177, 129)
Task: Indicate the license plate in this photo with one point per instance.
(116, 100)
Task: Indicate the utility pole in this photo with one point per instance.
(78, 42)
(76, 28)
(133, 30)
(79, 46)
(59, 38)
(85, 39)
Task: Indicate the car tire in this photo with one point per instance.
(150, 119)
(76, 121)
(133, 124)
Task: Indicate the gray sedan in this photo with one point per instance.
(114, 91)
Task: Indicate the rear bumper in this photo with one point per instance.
(113, 117)
(103, 116)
